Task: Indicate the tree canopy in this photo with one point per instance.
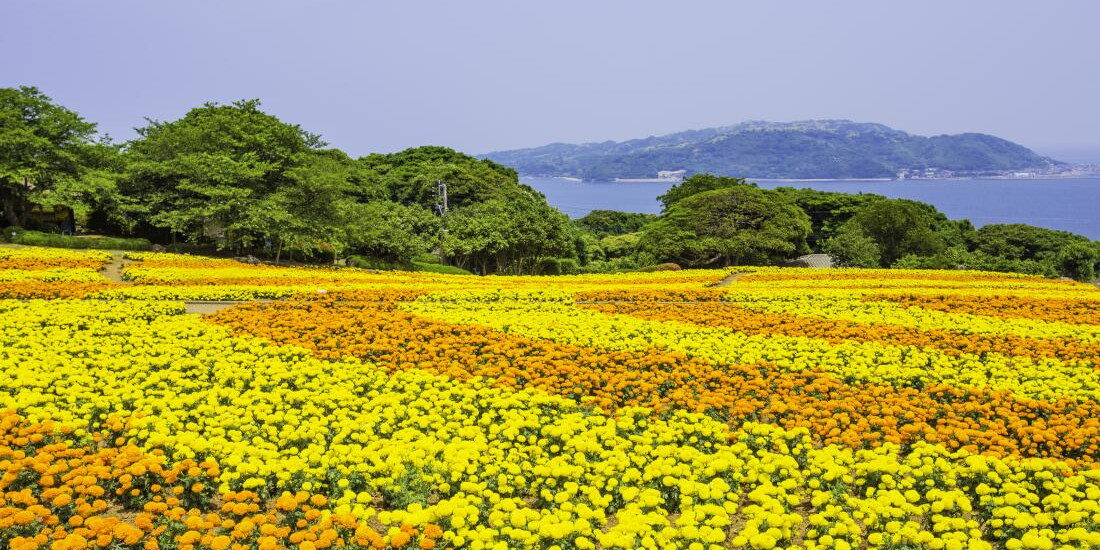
(507, 236)
(235, 178)
(698, 183)
(728, 226)
(612, 222)
(898, 227)
(49, 155)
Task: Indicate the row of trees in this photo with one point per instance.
(716, 221)
(237, 179)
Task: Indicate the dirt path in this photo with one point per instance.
(113, 270)
(729, 280)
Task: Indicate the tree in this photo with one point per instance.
(899, 228)
(828, 211)
(730, 226)
(612, 222)
(1022, 242)
(214, 174)
(391, 231)
(513, 236)
(852, 248)
(619, 246)
(410, 177)
(1078, 261)
(699, 183)
(49, 155)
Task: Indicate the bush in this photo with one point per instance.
(960, 258)
(37, 238)
(380, 264)
(439, 268)
(428, 258)
(559, 266)
(7, 232)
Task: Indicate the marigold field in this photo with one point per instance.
(341, 408)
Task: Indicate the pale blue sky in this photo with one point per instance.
(486, 75)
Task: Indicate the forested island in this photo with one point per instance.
(235, 180)
(815, 149)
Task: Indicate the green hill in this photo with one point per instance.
(803, 150)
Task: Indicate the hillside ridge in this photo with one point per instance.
(806, 149)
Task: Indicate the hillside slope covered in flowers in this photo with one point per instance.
(339, 408)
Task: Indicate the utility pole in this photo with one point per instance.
(441, 197)
(441, 206)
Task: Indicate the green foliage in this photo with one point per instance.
(612, 222)
(378, 264)
(410, 177)
(38, 238)
(559, 266)
(1078, 261)
(392, 231)
(898, 227)
(828, 211)
(512, 236)
(1022, 242)
(958, 257)
(586, 246)
(223, 173)
(619, 246)
(699, 183)
(443, 269)
(49, 156)
(731, 226)
(852, 248)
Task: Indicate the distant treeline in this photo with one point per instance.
(235, 179)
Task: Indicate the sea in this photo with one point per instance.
(1069, 204)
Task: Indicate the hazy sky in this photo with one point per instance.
(480, 76)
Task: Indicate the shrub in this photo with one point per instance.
(559, 266)
(439, 268)
(37, 238)
(381, 264)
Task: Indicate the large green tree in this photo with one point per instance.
(507, 236)
(612, 222)
(1018, 241)
(411, 177)
(223, 173)
(898, 227)
(392, 231)
(735, 225)
(698, 183)
(828, 211)
(49, 155)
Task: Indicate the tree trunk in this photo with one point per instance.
(9, 198)
(278, 251)
(9, 212)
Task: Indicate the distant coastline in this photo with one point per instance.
(814, 150)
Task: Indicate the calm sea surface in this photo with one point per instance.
(1066, 204)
